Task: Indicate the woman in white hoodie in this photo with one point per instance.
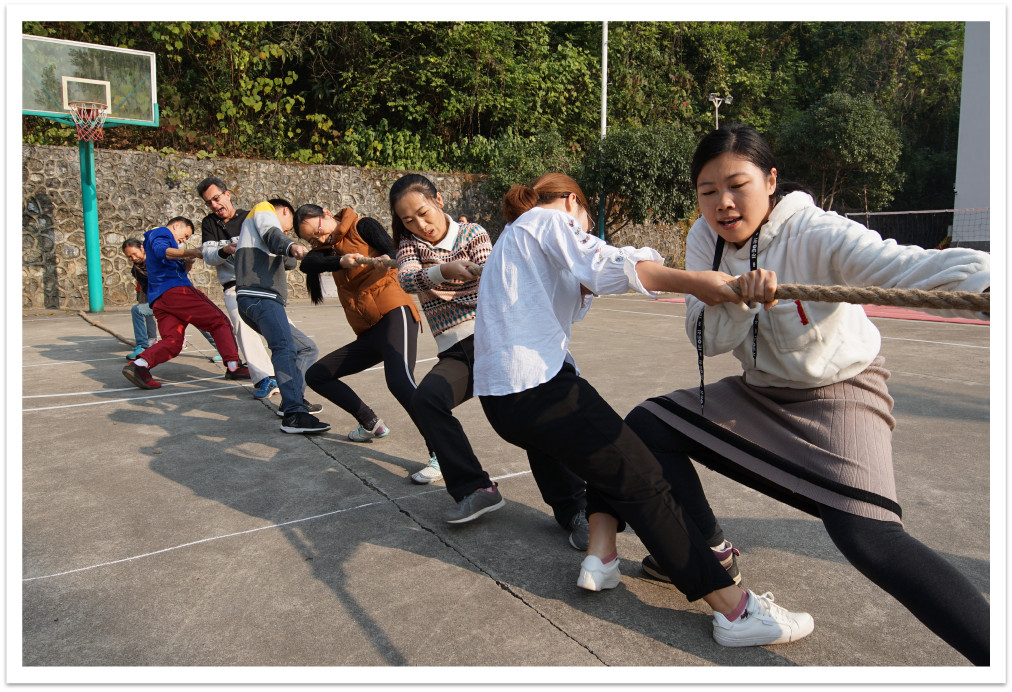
(809, 420)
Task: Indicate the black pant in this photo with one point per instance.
(566, 420)
(930, 587)
(393, 341)
(449, 384)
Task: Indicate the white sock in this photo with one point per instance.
(141, 363)
(232, 366)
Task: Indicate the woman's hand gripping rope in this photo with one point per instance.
(472, 269)
(869, 295)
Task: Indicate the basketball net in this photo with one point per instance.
(89, 116)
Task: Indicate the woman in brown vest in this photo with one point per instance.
(383, 317)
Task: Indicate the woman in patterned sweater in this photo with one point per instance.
(435, 255)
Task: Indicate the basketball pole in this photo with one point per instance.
(89, 204)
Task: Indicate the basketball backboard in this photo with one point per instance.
(55, 73)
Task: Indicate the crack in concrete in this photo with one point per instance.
(502, 585)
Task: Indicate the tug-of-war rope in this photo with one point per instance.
(873, 295)
(869, 295)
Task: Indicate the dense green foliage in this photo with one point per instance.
(646, 173)
(846, 149)
(474, 96)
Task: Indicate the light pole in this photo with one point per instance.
(717, 100)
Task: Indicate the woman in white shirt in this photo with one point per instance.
(540, 277)
(809, 421)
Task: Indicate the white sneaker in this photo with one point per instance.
(430, 474)
(361, 434)
(763, 622)
(597, 576)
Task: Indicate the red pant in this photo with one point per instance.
(183, 305)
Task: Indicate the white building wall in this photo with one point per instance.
(973, 157)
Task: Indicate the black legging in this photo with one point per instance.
(925, 583)
(393, 341)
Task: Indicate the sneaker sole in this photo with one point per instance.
(424, 480)
(729, 641)
(653, 573)
(305, 431)
(136, 381)
(574, 545)
(485, 510)
(598, 581)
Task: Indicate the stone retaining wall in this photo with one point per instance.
(138, 191)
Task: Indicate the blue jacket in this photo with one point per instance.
(163, 273)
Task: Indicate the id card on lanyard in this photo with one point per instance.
(753, 260)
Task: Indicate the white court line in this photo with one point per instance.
(634, 312)
(134, 398)
(891, 338)
(64, 362)
(249, 531)
(380, 367)
(941, 343)
(120, 389)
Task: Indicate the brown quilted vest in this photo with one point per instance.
(365, 294)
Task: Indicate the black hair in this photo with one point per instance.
(131, 242)
(282, 202)
(304, 213)
(744, 141)
(412, 182)
(176, 219)
(208, 182)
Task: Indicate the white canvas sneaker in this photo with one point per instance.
(763, 622)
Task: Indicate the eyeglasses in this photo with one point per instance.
(215, 199)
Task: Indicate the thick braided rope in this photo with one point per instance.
(475, 269)
(873, 295)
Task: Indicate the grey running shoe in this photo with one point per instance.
(474, 505)
(763, 622)
(579, 536)
(305, 423)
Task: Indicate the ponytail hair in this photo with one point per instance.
(548, 187)
(412, 182)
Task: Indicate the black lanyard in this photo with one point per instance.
(753, 261)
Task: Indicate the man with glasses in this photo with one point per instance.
(219, 232)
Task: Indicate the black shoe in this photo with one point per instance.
(303, 423)
(313, 408)
(725, 553)
(241, 373)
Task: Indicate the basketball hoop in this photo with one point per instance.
(89, 116)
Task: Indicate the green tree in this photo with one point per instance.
(846, 149)
(644, 173)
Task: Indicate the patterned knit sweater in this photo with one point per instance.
(449, 306)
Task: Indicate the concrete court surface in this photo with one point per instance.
(180, 527)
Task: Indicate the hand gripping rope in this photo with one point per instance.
(873, 295)
(475, 269)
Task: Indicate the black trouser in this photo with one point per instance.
(393, 341)
(566, 420)
(925, 583)
(451, 383)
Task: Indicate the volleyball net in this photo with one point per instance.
(931, 228)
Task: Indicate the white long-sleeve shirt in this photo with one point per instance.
(530, 296)
(806, 245)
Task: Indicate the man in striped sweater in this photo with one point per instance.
(263, 255)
